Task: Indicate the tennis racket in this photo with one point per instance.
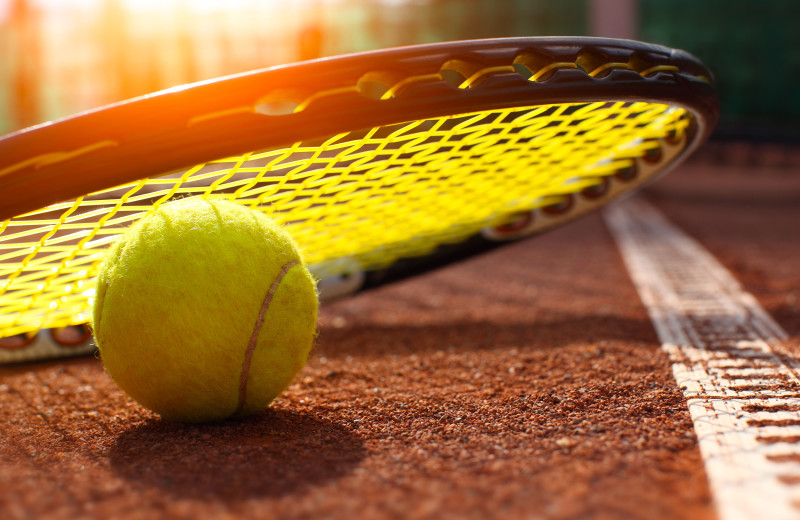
(381, 164)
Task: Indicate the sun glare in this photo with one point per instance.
(193, 6)
(65, 56)
(203, 6)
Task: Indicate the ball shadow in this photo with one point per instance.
(273, 454)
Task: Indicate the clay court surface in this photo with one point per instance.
(525, 383)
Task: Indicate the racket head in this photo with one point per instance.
(451, 122)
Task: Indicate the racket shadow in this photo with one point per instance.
(273, 454)
(525, 335)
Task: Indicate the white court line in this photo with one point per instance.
(744, 398)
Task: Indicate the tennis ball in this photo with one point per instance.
(204, 310)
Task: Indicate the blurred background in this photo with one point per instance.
(59, 57)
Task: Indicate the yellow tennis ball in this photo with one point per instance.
(204, 311)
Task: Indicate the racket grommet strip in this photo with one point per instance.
(71, 335)
(596, 191)
(627, 174)
(561, 207)
(516, 223)
(17, 341)
(653, 154)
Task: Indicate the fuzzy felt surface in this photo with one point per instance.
(184, 294)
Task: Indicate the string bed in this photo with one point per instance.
(357, 200)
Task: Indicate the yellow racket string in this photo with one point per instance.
(355, 201)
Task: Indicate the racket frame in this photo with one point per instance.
(176, 128)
